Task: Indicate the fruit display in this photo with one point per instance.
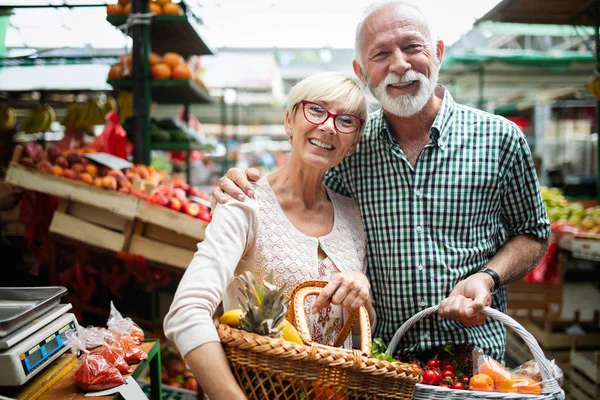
(263, 311)
(170, 65)
(142, 181)
(174, 370)
(563, 212)
(8, 118)
(158, 7)
(39, 119)
(85, 115)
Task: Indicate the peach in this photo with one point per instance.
(70, 174)
(77, 167)
(98, 182)
(109, 182)
(57, 170)
(44, 166)
(62, 162)
(91, 169)
(27, 162)
(86, 177)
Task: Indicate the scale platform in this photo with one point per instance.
(26, 351)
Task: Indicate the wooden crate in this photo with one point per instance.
(117, 203)
(538, 299)
(166, 236)
(583, 375)
(551, 333)
(92, 225)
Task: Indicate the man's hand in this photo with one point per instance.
(467, 300)
(236, 183)
(347, 289)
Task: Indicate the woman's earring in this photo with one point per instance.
(289, 133)
(348, 153)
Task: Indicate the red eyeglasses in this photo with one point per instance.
(316, 114)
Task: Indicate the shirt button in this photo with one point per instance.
(425, 336)
(422, 303)
(420, 267)
(419, 229)
(418, 192)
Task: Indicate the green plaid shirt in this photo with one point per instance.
(433, 224)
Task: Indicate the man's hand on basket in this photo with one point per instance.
(236, 183)
(347, 289)
(466, 301)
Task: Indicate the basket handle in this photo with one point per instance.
(550, 384)
(297, 316)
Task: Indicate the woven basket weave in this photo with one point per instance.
(268, 368)
(550, 389)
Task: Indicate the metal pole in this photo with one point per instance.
(188, 167)
(141, 86)
(224, 135)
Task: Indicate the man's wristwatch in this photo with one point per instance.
(494, 276)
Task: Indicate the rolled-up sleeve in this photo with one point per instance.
(523, 210)
(189, 322)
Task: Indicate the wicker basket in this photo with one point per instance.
(550, 389)
(268, 368)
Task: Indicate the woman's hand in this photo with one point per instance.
(346, 289)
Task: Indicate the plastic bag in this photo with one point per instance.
(94, 373)
(100, 341)
(128, 334)
(117, 323)
(491, 376)
(113, 139)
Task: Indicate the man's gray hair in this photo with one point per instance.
(380, 4)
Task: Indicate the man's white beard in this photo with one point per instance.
(406, 104)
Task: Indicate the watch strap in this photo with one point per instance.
(494, 276)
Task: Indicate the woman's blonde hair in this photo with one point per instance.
(330, 87)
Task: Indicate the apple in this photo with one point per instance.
(192, 209)
(175, 204)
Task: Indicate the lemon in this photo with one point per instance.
(288, 332)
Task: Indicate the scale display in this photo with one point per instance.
(32, 358)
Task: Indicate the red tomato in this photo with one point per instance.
(448, 372)
(447, 367)
(434, 363)
(415, 366)
(465, 379)
(458, 385)
(444, 385)
(432, 377)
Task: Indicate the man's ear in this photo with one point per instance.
(440, 51)
(358, 71)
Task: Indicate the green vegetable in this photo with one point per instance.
(379, 351)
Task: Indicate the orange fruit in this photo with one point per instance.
(493, 368)
(123, 2)
(172, 9)
(481, 383)
(182, 71)
(126, 59)
(505, 385)
(527, 385)
(115, 72)
(127, 9)
(161, 71)
(114, 9)
(154, 59)
(162, 2)
(172, 59)
(155, 8)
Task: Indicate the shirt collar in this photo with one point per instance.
(439, 131)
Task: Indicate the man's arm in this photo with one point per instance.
(526, 222)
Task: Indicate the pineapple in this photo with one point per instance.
(265, 305)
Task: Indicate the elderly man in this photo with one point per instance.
(448, 194)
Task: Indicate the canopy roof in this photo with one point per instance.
(559, 12)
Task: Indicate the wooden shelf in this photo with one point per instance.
(170, 91)
(177, 33)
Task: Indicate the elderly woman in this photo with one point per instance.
(294, 226)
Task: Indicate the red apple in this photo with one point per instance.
(192, 209)
(175, 204)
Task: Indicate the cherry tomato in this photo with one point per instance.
(415, 366)
(465, 380)
(448, 372)
(447, 367)
(444, 385)
(458, 385)
(434, 363)
(432, 377)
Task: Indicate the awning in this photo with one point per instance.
(571, 12)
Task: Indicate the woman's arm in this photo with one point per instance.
(209, 365)
(189, 322)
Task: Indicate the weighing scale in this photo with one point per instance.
(26, 351)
